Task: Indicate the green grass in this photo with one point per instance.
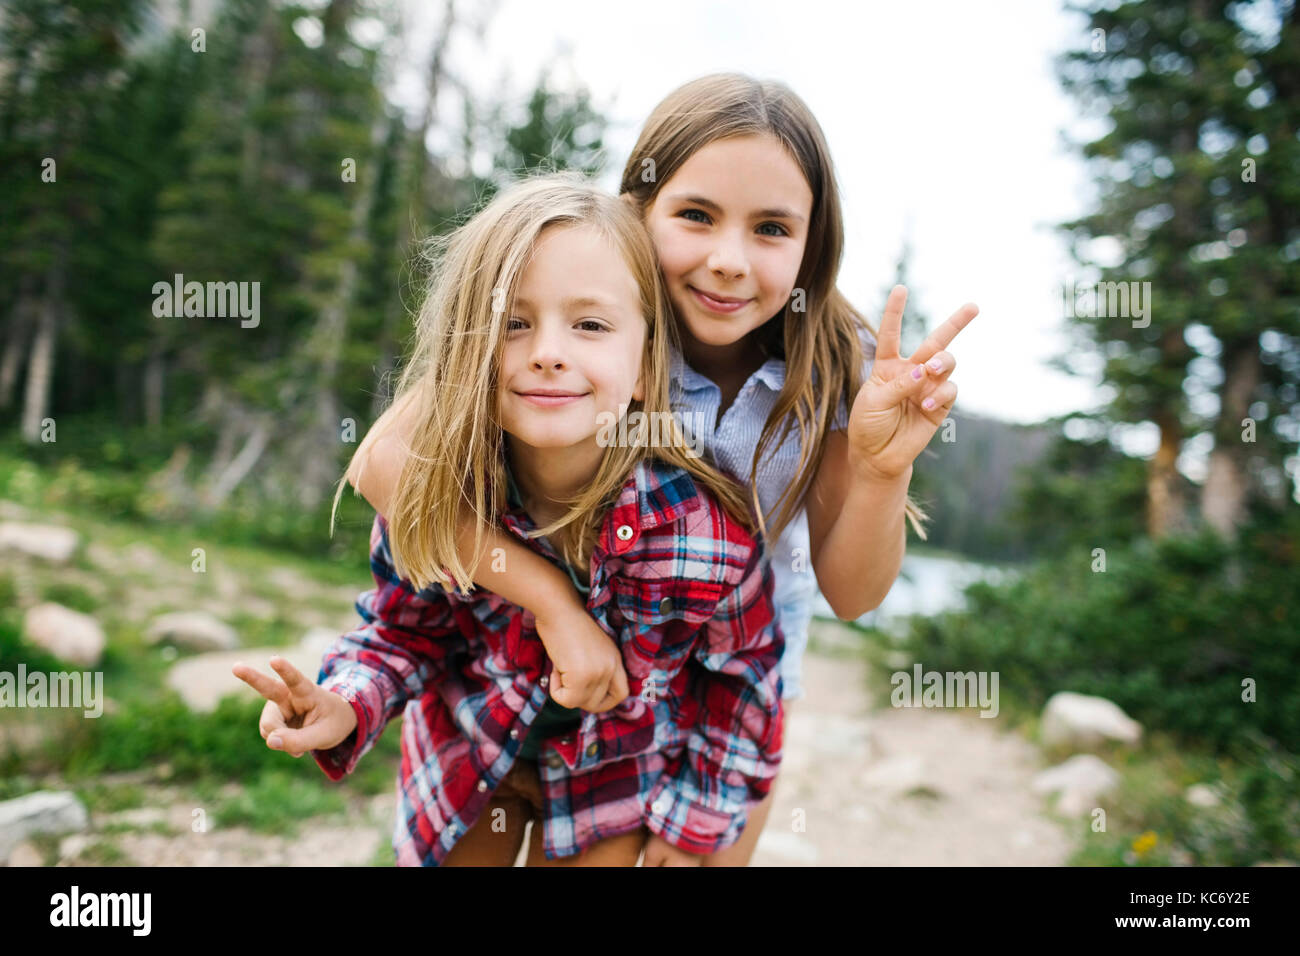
(151, 730)
(384, 855)
(277, 801)
(104, 853)
(107, 798)
(71, 596)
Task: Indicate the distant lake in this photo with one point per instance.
(927, 584)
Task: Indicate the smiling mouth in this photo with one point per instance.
(550, 399)
(715, 304)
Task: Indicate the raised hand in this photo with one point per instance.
(897, 411)
(299, 715)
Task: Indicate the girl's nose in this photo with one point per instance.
(546, 351)
(727, 260)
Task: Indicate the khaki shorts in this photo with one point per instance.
(520, 799)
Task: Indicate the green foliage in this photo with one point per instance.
(1152, 823)
(1080, 492)
(1167, 631)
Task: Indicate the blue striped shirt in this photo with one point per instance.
(731, 443)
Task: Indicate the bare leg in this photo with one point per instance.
(485, 846)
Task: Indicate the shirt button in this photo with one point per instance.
(514, 732)
(659, 807)
(554, 761)
(566, 741)
(482, 785)
(624, 532)
(665, 605)
(544, 681)
(591, 750)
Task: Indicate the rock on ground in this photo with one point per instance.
(67, 634)
(45, 811)
(46, 542)
(194, 630)
(1081, 722)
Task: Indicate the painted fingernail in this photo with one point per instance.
(918, 372)
(928, 404)
(275, 741)
(936, 364)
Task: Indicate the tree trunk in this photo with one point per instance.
(153, 389)
(1166, 506)
(18, 339)
(258, 60)
(1227, 483)
(40, 366)
(215, 495)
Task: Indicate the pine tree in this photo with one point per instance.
(65, 67)
(1195, 97)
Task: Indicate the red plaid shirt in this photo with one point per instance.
(687, 594)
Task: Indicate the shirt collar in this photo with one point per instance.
(771, 373)
(655, 494)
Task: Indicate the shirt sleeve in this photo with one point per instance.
(732, 754)
(841, 421)
(403, 644)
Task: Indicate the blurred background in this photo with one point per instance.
(1114, 500)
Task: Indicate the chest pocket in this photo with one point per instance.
(659, 621)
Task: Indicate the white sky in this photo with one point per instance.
(945, 120)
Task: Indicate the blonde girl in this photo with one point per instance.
(546, 317)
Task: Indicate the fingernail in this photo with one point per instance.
(936, 364)
(928, 404)
(275, 741)
(918, 372)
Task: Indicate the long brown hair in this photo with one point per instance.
(455, 464)
(825, 337)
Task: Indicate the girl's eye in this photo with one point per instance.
(513, 325)
(780, 229)
(597, 326)
(704, 216)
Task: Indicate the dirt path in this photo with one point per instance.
(901, 787)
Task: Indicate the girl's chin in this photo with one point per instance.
(552, 439)
(716, 331)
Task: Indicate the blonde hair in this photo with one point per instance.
(824, 338)
(455, 465)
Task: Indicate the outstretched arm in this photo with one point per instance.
(404, 644)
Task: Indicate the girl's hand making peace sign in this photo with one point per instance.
(890, 422)
(299, 715)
